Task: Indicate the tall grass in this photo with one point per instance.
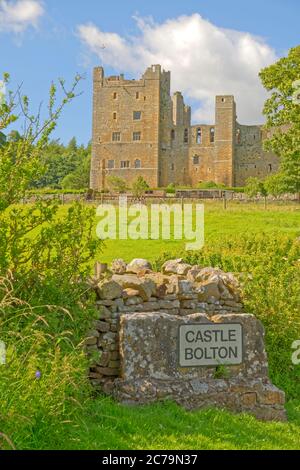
(44, 383)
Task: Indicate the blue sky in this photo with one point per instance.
(202, 42)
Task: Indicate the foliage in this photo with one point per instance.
(255, 187)
(275, 185)
(20, 158)
(45, 310)
(115, 183)
(171, 189)
(282, 110)
(79, 178)
(210, 185)
(139, 187)
(50, 191)
(65, 167)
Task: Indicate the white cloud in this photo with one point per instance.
(17, 16)
(205, 60)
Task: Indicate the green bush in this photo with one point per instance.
(50, 191)
(210, 185)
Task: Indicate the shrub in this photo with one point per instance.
(116, 184)
(139, 187)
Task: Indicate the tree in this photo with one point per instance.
(282, 110)
(115, 183)
(275, 184)
(20, 159)
(139, 187)
(72, 145)
(80, 178)
(2, 138)
(256, 187)
(60, 161)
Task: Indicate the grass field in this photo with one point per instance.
(244, 238)
(238, 219)
(105, 425)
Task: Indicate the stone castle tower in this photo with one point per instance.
(139, 129)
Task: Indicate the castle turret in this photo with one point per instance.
(224, 138)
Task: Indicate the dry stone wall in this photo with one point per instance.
(136, 335)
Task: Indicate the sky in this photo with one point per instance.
(210, 46)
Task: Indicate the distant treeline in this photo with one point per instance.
(64, 166)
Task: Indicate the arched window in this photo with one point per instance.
(186, 136)
(172, 134)
(212, 134)
(137, 164)
(238, 136)
(199, 136)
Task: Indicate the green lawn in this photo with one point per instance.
(105, 425)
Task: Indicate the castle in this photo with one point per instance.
(139, 129)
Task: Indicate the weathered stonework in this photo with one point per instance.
(160, 144)
(137, 340)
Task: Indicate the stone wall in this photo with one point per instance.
(153, 303)
(250, 160)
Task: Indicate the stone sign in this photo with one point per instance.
(210, 345)
(180, 334)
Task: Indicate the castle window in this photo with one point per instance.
(116, 136)
(125, 164)
(114, 116)
(186, 136)
(196, 160)
(137, 164)
(212, 135)
(137, 115)
(115, 96)
(136, 136)
(238, 136)
(111, 164)
(137, 95)
(172, 134)
(270, 168)
(172, 167)
(199, 136)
